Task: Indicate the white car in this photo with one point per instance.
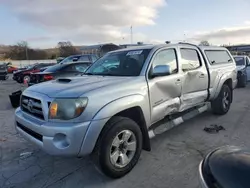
(243, 69)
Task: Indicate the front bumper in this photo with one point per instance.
(63, 139)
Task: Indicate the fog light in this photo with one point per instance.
(61, 141)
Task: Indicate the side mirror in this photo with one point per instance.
(75, 59)
(161, 70)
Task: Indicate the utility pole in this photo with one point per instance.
(131, 34)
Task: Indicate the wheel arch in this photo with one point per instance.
(225, 79)
(135, 107)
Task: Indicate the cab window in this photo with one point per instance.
(190, 59)
(166, 57)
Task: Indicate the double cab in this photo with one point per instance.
(113, 110)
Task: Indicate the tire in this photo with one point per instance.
(26, 77)
(111, 142)
(219, 105)
(242, 81)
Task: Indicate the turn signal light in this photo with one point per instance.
(53, 109)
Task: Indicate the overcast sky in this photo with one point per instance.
(45, 22)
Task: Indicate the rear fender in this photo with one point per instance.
(222, 80)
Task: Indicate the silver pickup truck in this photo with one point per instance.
(125, 98)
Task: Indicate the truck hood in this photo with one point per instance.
(76, 86)
(240, 67)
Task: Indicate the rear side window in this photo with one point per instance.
(84, 58)
(218, 56)
(94, 58)
(55, 68)
(81, 67)
(190, 59)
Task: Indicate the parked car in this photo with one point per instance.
(82, 58)
(225, 167)
(58, 71)
(243, 68)
(22, 75)
(11, 69)
(59, 59)
(23, 68)
(125, 98)
(3, 71)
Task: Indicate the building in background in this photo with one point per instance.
(99, 49)
(239, 49)
(132, 45)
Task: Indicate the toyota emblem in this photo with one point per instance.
(30, 105)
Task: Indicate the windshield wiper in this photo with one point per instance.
(108, 74)
(88, 73)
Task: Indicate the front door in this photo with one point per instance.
(165, 91)
(195, 78)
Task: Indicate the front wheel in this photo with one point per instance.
(119, 147)
(222, 103)
(26, 78)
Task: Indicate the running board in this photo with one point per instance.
(167, 124)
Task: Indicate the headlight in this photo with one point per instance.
(66, 109)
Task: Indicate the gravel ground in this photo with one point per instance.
(173, 161)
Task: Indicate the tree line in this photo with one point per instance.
(22, 51)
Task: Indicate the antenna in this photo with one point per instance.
(131, 34)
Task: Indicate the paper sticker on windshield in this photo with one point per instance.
(138, 52)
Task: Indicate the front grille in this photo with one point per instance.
(32, 106)
(30, 132)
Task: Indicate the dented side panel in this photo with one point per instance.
(195, 83)
(165, 95)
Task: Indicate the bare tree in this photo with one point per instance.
(21, 51)
(66, 49)
(204, 43)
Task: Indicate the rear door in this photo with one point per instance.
(66, 71)
(195, 78)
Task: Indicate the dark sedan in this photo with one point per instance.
(22, 75)
(58, 71)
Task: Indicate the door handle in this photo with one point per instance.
(201, 76)
(178, 81)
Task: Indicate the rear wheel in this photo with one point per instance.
(222, 103)
(119, 147)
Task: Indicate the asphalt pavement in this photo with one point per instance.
(173, 161)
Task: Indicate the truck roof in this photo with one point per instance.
(171, 45)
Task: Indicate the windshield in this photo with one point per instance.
(29, 67)
(54, 68)
(239, 60)
(123, 63)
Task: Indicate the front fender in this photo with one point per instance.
(108, 111)
(124, 103)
